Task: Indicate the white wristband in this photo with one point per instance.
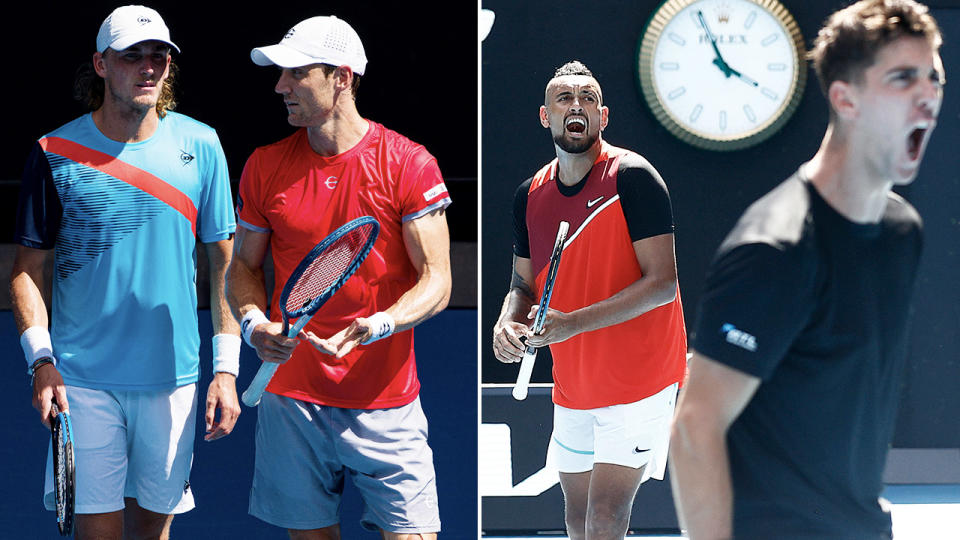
(381, 326)
(251, 320)
(36, 344)
(226, 354)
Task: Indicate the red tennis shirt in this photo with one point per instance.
(298, 197)
(625, 362)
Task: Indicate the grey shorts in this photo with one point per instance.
(304, 451)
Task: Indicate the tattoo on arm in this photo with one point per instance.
(517, 282)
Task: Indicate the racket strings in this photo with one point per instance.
(61, 467)
(327, 268)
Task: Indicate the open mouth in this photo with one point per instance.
(915, 142)
(576, 125)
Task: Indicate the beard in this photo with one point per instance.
(574, 146)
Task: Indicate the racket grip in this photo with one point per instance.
(253, 393)
(526, 370)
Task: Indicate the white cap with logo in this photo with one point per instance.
(129, 25)
(317, 40)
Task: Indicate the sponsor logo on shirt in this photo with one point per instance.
(331, 182)
(434, 191)
(185, 157)
(595, 201)
(739, 337)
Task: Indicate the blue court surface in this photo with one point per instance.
(222, 470)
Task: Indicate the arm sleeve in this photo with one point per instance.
(216, 219)
(39, 210)
(757, 299)
(645, 201)
(521, 240)
(422, 186)
(249, 212)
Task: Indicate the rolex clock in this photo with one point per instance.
(722, 74)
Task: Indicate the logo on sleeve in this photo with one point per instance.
(434, 191)
(739, 337)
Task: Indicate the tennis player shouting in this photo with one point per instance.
(785, 424)
(615, 324)
(349, 404)
(121, 195)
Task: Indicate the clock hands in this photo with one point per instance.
(742, 77)
(718, 59)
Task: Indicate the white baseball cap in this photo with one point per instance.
(129, 25)
(317, 40)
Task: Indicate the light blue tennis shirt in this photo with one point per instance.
(123, 220)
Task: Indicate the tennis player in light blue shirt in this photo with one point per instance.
(121, 195)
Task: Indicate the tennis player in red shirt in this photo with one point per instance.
(615, 325)
(348, 404)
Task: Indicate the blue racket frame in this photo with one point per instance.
(530, 354)
(64, 453)
(251, 397)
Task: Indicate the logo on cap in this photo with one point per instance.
(289, 33)
(143, 19)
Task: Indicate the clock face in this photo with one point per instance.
(722, 74)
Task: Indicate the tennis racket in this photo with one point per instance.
(320, 274)
(64, 475)
(530, 355)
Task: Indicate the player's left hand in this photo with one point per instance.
(344, 341)
(221, 394)
(557, 326)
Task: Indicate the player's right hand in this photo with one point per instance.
(271, 343)
(47, 386)
(508, 341)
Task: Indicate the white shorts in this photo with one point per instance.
(130, 444)
(633, 435)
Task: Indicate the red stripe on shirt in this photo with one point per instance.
(125, 172)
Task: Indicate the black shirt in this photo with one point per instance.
(816, 306)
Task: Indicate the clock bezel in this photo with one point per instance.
(651, 35)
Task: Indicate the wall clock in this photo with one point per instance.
(722, 74)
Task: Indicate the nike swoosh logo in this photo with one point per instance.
(593, 202)
(637, 450)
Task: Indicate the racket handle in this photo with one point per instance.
(251, 397)
(526, 370)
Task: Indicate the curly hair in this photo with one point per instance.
(850, 39)
(89, 89)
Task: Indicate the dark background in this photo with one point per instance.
(421, 80)
(709, 189)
